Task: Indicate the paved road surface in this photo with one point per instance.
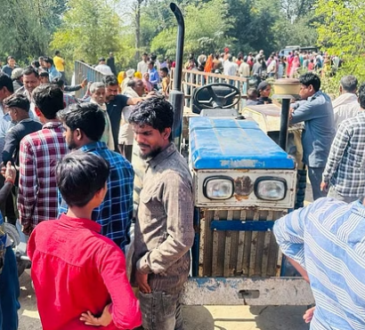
(196, 318)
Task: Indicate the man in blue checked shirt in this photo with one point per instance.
(84, 124)
(325, 242)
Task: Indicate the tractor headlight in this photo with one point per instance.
(218, 187)
(270, 188)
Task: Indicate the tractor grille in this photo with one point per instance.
(238, 253)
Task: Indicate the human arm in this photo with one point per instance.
(304, 111)
(28, 185)
(9, 173)
(289, 233)
(337, 151)
(76, 87)
(11, 143)
(125, 306)
(177, 199)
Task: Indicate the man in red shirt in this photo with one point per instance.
(79, 276)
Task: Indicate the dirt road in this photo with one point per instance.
(196, 318)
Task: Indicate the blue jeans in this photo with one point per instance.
(161, 311)
(9, 293)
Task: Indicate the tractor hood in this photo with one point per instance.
(221, 143)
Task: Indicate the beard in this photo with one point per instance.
(152, 154)
(72, 145)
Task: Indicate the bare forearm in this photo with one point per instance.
(300, 269)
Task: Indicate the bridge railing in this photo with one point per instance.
(193, 79)
(82, 71)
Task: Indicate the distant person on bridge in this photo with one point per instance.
(316, 111)
(143, 65)
(53, 73)
(154, 77)
(110, 62)
(10, 66)
(103, 68)
(59, 63)
(347, 104)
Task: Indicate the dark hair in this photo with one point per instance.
(101, 59)
(252, 93)
(44, 74)
(36, 63)
(10, 58)
(310, 78)
(57, 52)
(5, 81)
(87, 117)
(110, 80)
(17, 101)
(153, 57)
(59, 82)
(155, 112)
(48, 60)
(48, 98)
(361, 92)
(152, 63)
(349, 83)
(262, 86)
(164, 69)
(30, 70)
(80, 175)
(132, 83)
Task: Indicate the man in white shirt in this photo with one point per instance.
(244, 72)
(346, 105)
(230, 68)
(142, 66)
(271, 69)
(103, 68)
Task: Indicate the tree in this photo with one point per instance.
(89, 30)
(206, 27)
(27, 26)
(341, 32)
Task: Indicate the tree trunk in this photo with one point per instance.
(138, 29)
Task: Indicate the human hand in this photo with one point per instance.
(104, 320)
(308, 315)
(27, 229)
(324, 186)
(9, 172)
(84, 83)
(142, 282)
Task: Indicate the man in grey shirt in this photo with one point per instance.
(164, 230)
(316, 111)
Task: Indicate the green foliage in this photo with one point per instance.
(27, 26)
(89, 30)
(341, 31)
(206, 29)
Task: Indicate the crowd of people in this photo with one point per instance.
(69, 160)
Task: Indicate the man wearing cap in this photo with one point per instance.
(142, 66)
(18, 106)
(17, 78)
(103, 68)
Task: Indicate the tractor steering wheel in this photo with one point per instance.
(213, 96)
